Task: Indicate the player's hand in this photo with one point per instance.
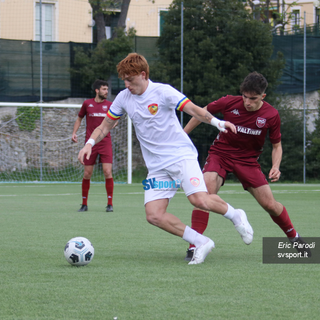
(86, 150)
(74, 138)
(274, 174)
(230, 126)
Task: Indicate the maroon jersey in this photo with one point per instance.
(252, 128)
(95, 112)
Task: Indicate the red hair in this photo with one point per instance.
(133, 65)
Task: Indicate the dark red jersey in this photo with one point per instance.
(95, 112)
(252, 128)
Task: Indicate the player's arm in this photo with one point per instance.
(203, 115)
(192, 124)
(76, 126)
(97, 135)
(276, 155)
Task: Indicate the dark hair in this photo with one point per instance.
(98, 84)
(133, 65)
(254, 83)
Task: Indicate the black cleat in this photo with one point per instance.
(83, 208)
(109, 208)
(189, 255)
(300, 245)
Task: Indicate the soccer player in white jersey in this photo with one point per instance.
(169, 154)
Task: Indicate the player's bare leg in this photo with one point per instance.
(157, 215)
(276, 210)
(266, 200)
(88, 170)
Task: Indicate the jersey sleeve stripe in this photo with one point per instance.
(182, 103)
(113, 116)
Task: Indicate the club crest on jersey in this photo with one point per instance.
(153, 108)
(105, 108)
(195, 181)
(261, 122)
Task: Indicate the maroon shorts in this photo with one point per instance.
(104, 149)
(248, 173)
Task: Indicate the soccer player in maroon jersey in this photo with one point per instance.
(253, 118)
(95, 110)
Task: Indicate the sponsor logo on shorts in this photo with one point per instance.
(261, 122)
(161, 185)
(153, 108)
(195, 181)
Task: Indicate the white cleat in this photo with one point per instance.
(244, 228)
(201, 252)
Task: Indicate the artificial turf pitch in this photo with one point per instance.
(138, 271)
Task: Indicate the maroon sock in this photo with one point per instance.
(199, 221)
(284, 222)
(109, 189)
(85, 191)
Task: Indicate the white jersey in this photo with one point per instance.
(162, 140)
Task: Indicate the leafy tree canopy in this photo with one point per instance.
(101, 62)
(222, 44)
(292, 143)
(313, 150)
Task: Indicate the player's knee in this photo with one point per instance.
(107, 174)
(87, 175)
(270, 206)
(153, 218)
(200, 203)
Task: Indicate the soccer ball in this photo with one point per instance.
(79, 251)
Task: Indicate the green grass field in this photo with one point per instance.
(138, 271)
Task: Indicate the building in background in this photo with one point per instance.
(147, 17)
(62, 20)
(72, 20)
(289, 14)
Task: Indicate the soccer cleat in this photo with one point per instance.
(109, 208)
(189, 255)
(201, 252)
(83, 208)
(244, 228)
(300, 245)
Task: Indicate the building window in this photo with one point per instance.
(47, 22)
(295, 19)
(162, 13)
(318, 16)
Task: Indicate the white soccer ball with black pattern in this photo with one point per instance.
(79, 251)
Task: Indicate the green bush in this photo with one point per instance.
(26, 118)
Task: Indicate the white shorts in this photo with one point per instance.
(163, 184)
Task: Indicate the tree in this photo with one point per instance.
(291, 140)
(222, 44)
(101, 62)
(313, 150)
(102, 7)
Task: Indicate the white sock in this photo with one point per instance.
(194, 237)
(232, 215)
